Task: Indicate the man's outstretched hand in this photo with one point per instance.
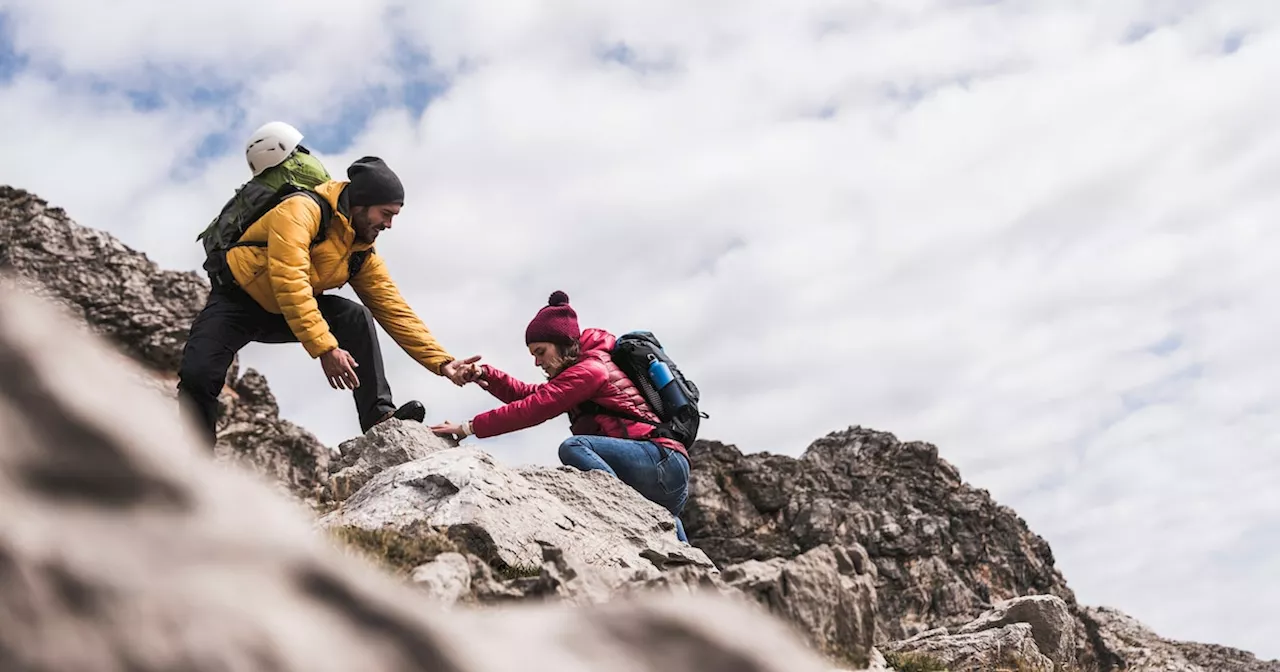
(462, 372)
(340, 369)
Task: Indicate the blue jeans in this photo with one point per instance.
(639, 464)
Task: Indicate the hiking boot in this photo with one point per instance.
(411, 410)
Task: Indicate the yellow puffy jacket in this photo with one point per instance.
(285, 276)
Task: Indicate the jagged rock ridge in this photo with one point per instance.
(944, 551)
(1133, 646)
(120, 293)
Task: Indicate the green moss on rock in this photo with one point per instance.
(398, 551)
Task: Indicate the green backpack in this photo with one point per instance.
(301, 173)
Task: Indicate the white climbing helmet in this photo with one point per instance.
(272, 143)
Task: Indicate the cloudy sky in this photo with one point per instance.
(1039, 234)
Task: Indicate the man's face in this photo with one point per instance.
(369, 221)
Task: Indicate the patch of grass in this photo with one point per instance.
(507, 573)
(400, 552)
(845, 660)
(1011, 663)
(914, 662)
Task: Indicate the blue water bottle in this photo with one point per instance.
(659, 373)
(672, 396)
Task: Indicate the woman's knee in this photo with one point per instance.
(673, 479)
(571, 452)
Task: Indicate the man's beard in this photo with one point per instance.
(364, 230)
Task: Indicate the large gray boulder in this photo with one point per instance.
(1035, 632)
(124, 546)
(506, 515)
(387, 444)
(1009, 647)
(827, 595)
(1052, 625)
(829, 602)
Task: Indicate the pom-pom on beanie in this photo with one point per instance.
(555, 322)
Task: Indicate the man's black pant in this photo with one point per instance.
(231, 319)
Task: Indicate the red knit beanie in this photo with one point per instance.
(555, 323)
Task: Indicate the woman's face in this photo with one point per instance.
(546, 356)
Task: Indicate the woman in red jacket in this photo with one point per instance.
(579, 370)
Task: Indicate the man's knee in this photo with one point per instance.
(201, 371)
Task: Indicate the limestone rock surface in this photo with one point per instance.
(1008, 647)
(387, 444)
(821, 593)
(506, 515)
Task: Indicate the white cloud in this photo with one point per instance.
(1035, 234)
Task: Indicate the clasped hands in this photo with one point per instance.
(465, 371)
(340, 370)
(461, 373)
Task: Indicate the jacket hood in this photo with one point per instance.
(335, 191)
(596, 339)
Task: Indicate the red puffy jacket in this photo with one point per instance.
(594, 377)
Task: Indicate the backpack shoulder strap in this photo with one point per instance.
(356, 262)
(326, 214)
(594, 408)
(286, 191)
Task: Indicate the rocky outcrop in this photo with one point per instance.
(126, 547)
(506, 515)
(252, 433)
(120, 293)
(1052, 624)
(145, 312)
(1010, 647)
(561, 578)
(1035, 633)
(944, 551)
(826, 593)
(385, 445)
(820, 594)
(1218, 658)
(1132, 646)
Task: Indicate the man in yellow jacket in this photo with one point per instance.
(276, 296)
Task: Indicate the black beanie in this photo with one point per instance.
(373, 183)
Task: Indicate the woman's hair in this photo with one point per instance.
(569, 354)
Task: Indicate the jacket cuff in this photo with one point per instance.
(480, 426)
(437, 367)
(320, 345)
